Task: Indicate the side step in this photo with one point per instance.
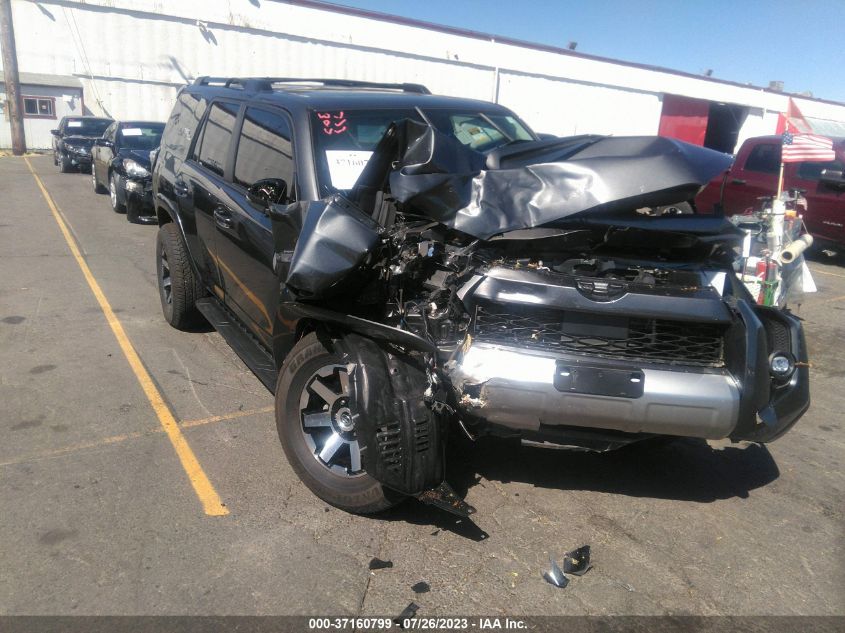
(241, 341)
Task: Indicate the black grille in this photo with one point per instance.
(649, 340)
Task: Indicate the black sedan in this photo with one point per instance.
(121, 165)
(73, 139)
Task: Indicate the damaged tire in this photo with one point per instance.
(317, 430)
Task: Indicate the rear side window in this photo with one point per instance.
(182, 124)
(216, 137)
(813, 171)
(264, 148)
(764, 158)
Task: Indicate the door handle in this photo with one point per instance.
(737, 181)
(223, 218)
(181, 189)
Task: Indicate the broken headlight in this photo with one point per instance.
(135, 169)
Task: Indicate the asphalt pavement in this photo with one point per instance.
(100, 513)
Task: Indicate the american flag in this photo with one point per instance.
(806, 148)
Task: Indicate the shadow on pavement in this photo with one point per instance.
(681, 469)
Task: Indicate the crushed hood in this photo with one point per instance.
(533, 183)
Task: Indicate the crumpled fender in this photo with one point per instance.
(402, 439)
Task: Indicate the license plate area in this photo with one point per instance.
(599, 381)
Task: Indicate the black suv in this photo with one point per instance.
(396, 266)
(73, 139)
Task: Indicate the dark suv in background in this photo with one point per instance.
(397, 266)
(73, 139)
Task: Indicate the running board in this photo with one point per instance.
(241, 341)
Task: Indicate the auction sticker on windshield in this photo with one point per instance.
(74, 123)
(131, 131)
(345, 166)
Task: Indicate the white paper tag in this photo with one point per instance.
(74, 123)
(345, 166)
(131, 131)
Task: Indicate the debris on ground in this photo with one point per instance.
(555, 575)
(377, 563)
(407, 613)
(577, 562)
(421, 587)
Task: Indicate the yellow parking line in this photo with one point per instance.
(832, 299)
(211, 503)
(825, 272)
(116, 439)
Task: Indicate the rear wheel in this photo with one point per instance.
(114, 187)
(317, 430)
(178, 287)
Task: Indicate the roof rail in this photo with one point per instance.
(264, 84)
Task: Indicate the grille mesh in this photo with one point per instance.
(650, 340)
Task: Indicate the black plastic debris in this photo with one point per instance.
(445, 498)
(421, 587)
(555, 575)
(377, 563)
(577, 562)
(407, 613)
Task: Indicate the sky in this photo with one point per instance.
(798, 42)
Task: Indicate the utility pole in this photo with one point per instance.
(10, 73)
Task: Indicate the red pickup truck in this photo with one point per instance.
(754, 175)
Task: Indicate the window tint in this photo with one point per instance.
(182, 124)
(764, 158)
(216, 136)
(141, 136)
(813, 171)
(264, 148)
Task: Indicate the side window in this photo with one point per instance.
(813, 171)
(216, 135)
(182, 124)
(764, 158)
(264, 148)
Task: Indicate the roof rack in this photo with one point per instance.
(266, 84)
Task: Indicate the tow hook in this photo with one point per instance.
(445, 498)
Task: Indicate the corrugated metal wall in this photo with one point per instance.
(132, 55)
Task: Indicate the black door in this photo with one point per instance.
(101, 154)
(244, 234)
(199, 187)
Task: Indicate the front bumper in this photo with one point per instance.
(516, 389)
(139, 199)
(82, 161)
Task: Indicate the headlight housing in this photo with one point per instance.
(76, 149)
(134, 169)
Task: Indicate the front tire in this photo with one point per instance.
(316, 432)
(178, 287)
(64, 165)
(114, 187)
(98, 188)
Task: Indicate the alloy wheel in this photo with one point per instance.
(327, 423)
(166, 281)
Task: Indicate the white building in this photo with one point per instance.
(132, 55)
(46, 99)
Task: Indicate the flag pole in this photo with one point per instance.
(780, 182)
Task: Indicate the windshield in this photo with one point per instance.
(86, 127)
(143, 136)
(344, 140)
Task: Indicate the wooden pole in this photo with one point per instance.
(10, 73)
(780, 182)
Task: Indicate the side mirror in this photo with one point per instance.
(263, 193)
(54, 132)
(833, 178)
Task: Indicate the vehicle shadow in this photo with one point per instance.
(681, 469)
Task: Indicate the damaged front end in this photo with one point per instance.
(559, 291)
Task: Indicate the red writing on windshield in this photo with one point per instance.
(333, 122)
